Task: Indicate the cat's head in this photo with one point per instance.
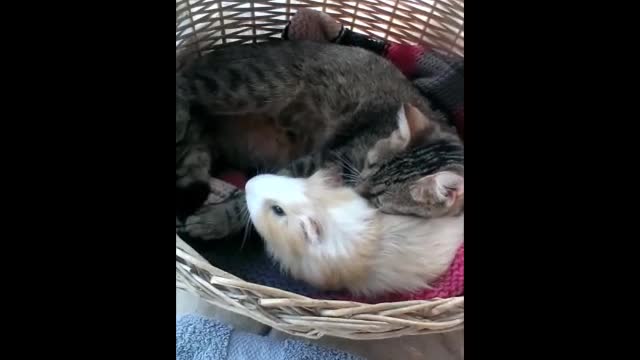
(417, 170)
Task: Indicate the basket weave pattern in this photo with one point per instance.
(201, 26)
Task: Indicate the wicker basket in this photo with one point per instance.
(203, 25)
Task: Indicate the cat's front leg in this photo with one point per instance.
(218, 220)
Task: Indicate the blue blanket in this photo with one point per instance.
(200, 338)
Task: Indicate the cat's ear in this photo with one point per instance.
(444, 187)
(413, 124)
(311, 229)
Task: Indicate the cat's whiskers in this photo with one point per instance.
(353, 168)
(342, 164)
(351, 179)
(346, 163)
(350, 176)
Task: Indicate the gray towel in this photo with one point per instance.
(200, 338)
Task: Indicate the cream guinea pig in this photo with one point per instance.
(327, 235)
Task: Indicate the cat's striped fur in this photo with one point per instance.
(418, 162)
(390, 186)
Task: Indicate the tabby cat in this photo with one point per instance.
(261, 106)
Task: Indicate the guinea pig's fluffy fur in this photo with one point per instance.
(329, 236)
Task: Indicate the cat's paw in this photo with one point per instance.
(217, 221)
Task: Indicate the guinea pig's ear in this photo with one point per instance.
(442, 187)
(413, 124)
(329, 176)
(311, 229)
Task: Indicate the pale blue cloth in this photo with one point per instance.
(200, 338)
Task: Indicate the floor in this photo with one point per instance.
(449, 346)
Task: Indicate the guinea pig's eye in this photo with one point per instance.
(277, 210)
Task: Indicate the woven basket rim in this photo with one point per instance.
(309, 317)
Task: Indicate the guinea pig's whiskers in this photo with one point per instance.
(247, 220)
